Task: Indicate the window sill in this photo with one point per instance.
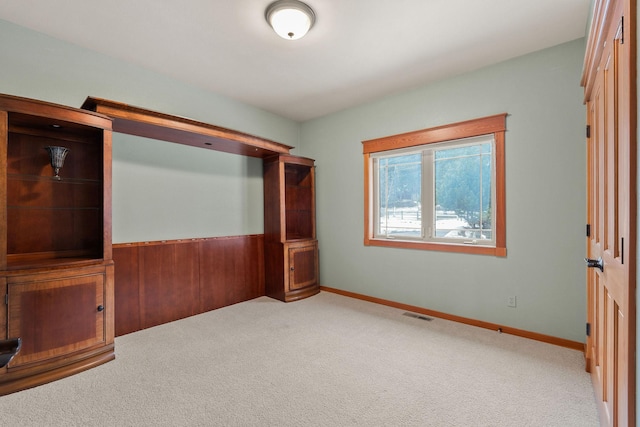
(442, 247)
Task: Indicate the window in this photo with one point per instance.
(438, 189)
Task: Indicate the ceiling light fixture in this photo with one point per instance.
(290, 19)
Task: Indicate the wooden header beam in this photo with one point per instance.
(151, 124)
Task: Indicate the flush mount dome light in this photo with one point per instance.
(290, 19)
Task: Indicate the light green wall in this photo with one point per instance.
(160, 190)
(167, 191)
(545, 191)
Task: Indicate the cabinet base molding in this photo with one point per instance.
(299, 294)
(24, 378)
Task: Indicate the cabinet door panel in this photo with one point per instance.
(303, 266)
(56, 316)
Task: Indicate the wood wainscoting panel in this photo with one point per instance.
(168, 282)
(159, 282)
(231, 270)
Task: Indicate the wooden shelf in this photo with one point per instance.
(42, 261)
(65, 180)
(151, 124)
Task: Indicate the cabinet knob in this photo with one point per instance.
(100, 307)
(292, 269)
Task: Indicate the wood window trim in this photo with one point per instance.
(495, 125)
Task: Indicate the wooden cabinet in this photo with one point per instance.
(57, 313)
(291, 248)
(56, 270)
(56, 266)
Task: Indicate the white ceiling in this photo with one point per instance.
(357, 51)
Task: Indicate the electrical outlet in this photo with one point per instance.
(511, 301)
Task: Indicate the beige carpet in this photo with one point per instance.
(325, 361)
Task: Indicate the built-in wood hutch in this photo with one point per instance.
(56, 268)
(64, 298)
(291, 248)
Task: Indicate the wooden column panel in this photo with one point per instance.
(127, 289)
(274, 270)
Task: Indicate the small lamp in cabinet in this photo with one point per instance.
(57, 156)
